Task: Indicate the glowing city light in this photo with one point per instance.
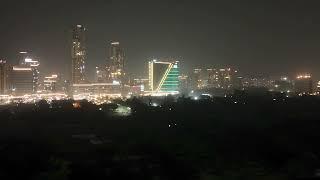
(28, 60)
(21, 69)
(305, 76)
(115, 43)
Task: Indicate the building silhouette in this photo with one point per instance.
(78, 54)
(21, 78)
(24, 77)
(3, 77)
(304, 84)
(116, 63)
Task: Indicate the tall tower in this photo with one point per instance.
(78, 54)
(3, 77)
(27, 61)
(196, 79)
(116, 63)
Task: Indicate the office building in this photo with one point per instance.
(3, 77)
(26, 60)
(66, 87)
(184, 84)
(284, 84)
(21, 80)
(34, 65)
(303, 84)
(141, 82)
(101, 75)
(50, 83)
(164, 76)
(318, 88)
(78, 54)
(237, 82)
(116, 64)
(257, 82)
(196, 79)
(22, 56)
(213, 78)
(139, 86)
(96, 89)
(224, 78)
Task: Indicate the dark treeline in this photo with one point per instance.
(239, 137)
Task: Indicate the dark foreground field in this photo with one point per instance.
(221, 138)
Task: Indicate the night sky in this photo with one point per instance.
(258, 37)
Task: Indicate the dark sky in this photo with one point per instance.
(257, 37)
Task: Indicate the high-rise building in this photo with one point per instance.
(66, 87)
(318, 88)
(34, 65)
(78, 54)
(213, 78)
(184, 84)
(116, 63)
(163, 76)
(139, 86)
(27, 61)
(21, 78)
(237, 82)
(3, 77)
(196, 79)
(225, 76)
(303, 84)
(284, 84)
(260, 81)
(22, 56)
(50, 83)
(101, 75)
(144, 83)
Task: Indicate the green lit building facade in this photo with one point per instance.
(164, 77)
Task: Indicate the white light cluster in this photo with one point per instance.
(306, 76)
(31, 98)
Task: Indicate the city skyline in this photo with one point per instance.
(159, 89)
(265, 37)
(112, 78)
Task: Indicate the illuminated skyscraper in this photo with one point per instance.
(78, 54)
(116, 64)
(213, 78)
(163, 77)
(318, 88)
(304, 84)
(26, 61)
(22, 56)
(224, 78)
(50, 83)
(3, 77)
(196, 79)
(21, 78)
(101, 75)
(184, 84)
(34, 65)
(284, 84)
